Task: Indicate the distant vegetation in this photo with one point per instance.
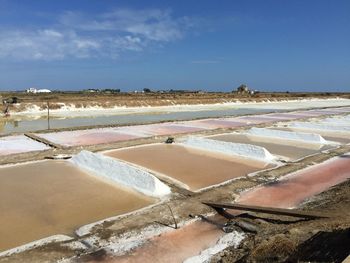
(102, 90)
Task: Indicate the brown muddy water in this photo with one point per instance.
(291, 150)
(53, 197)
(197, 169)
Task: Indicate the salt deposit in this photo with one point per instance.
(19, 144)
(228, 240)
(120, 172)
(336, 121)
(238, 149)
(36, 243)
(70, 110)
(319, 126)
(288, 135)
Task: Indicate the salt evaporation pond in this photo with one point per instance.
(295, 188)
(168, 128)
(342, 138)
(88, 137)
(195, 168)
(25, 124)
(288, 116)
(216, 123)
(291, 149)
(110, 135)
(31, 122)
(257, 119)
(53, 197)
(181, 244)
(19, 144)
(177, 245)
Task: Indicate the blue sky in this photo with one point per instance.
(272, 45)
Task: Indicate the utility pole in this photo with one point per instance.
(48, 115)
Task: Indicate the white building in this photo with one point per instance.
(34, 90)
(31, 90)
(43, 91)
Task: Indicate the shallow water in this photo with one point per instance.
(23, 124)
(291, 191)
(87, 137)
(215, 124)
(289, 116)
(197, 169)
(26, 123)
(168, 129)
(53, 197)
(177, 245)
(289, 149)
(19, 144)
(335, 136)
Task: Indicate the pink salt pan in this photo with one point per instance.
(215, 124)
(19, 144)
(288, 116)
(341, 110)
(176, 245)
(312, 113)
(168, 129)
(257, 119)
(291, 191)
(324, 112)
(87, 137)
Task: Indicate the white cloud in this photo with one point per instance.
(151, 24)
(78, 35)
(45, 44)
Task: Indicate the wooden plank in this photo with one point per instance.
(267, 210)
(42, 140)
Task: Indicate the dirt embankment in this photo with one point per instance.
(103, 100)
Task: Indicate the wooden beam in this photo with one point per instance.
(267, 210)
(42, 140)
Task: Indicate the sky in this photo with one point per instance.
(270, 45)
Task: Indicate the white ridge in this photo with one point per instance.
(239, 149)
(120, 172)
(336, 121)
(288, 135)
(227, 240)
(319, 126)
(35, 243)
